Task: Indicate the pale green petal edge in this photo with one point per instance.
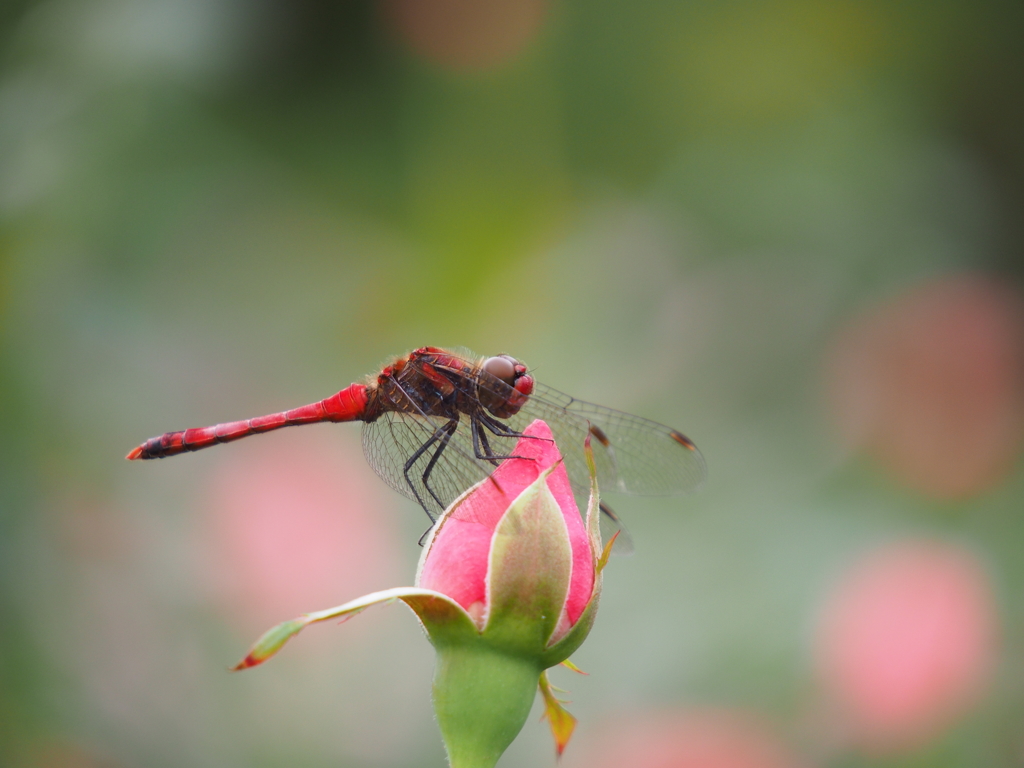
(530, 547)
(573, 639)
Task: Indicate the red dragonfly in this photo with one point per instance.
(437, 421)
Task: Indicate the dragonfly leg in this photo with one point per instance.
(442, 435)
(501, 429)
(480, 437)
(411, 461)
(496, 427)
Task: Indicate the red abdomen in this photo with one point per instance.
(350, 404)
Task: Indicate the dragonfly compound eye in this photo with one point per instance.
(501, 367)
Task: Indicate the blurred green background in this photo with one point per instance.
(791, 229)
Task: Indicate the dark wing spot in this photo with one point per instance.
(683, 440)
(602, 438)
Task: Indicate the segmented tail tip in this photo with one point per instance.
(135, 453)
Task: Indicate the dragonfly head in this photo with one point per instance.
(507, 401)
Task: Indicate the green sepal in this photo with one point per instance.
(569, 665)
(573, 639)
(443, 619)
(603, 560)
(529, 571)
(560, 720)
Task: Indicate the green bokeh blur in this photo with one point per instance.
(212, 209)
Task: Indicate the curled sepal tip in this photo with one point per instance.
(603, 560)
(270, 642)
(569, 665)
(562, 723)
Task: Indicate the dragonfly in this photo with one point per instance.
(437, 421)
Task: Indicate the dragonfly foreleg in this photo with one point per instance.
(480, 439)
(496, 427)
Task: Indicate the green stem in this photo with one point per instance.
(482, 698)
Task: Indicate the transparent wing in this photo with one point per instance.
(389, 442)
(633, 455)
(611, 525)
(394, 438)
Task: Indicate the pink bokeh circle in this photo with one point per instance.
(906, 643)
(465, 35)
(931, 383)
(296, 521)
(687, 738)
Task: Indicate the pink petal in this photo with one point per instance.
(457, 562)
